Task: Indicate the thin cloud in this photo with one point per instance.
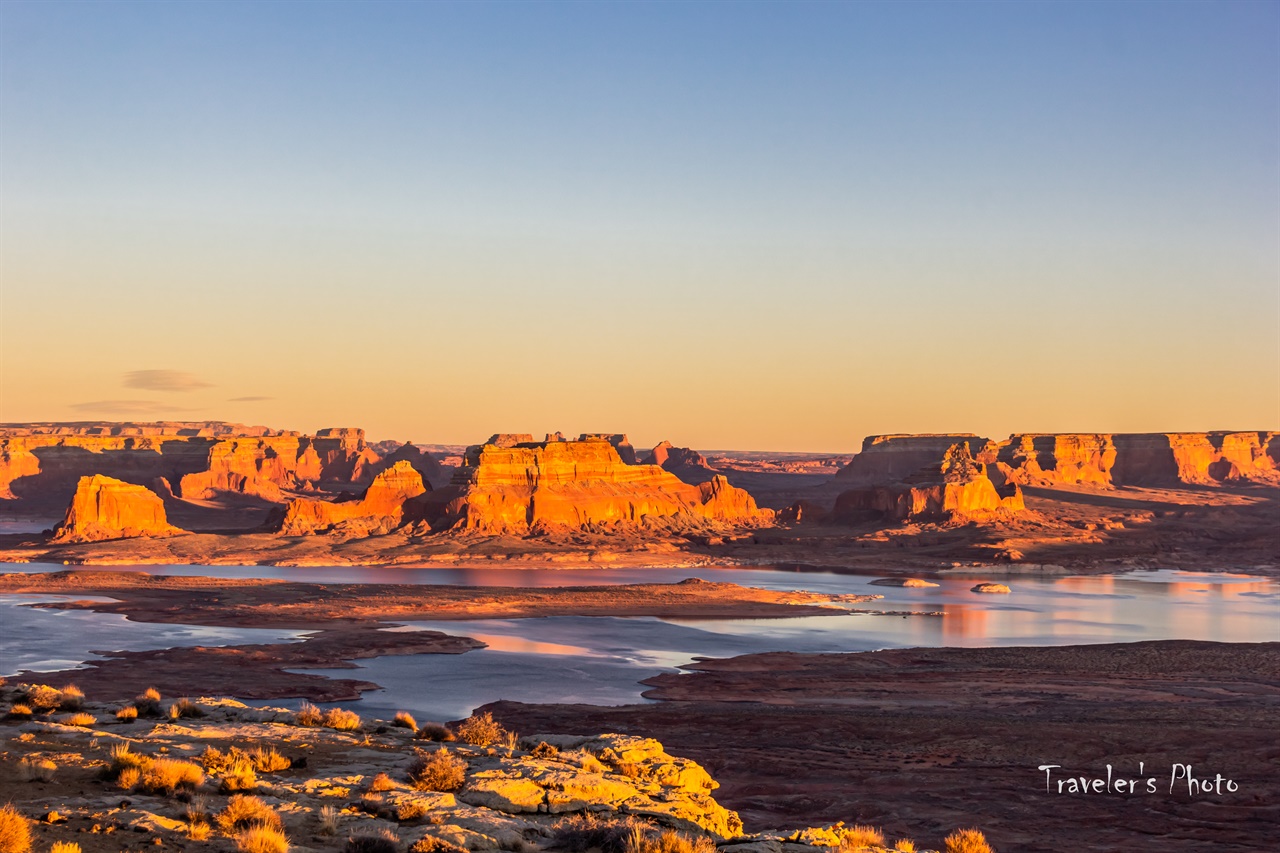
(248, 399)
(126, 407)
(164, 380)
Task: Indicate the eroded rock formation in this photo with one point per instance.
(534, 486)
(105, 508)
(892, 458)
(379, 510)
(687, 464)
(956, 489)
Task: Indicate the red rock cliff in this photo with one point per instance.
(379, 510)
(891, 458)
(103, 508)
(687, 464)
(574, 484)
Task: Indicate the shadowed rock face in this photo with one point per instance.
(104, 508)
(892, 458)
(41, 463)
(687, 464)
(957, 489)
(572, 484)
(379, 510)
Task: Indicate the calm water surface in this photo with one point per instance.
(601, 660)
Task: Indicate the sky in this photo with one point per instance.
(730, 225)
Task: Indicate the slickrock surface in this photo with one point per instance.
(327, 785)
(103, 508)
(380, 508)
(544, 486)
(956, 489)
(919, 741)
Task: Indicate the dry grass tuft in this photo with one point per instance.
(381, 782)
(578, 833)
(308, 715)
(15, 831)
(904, 845)
(239, 775)
(966, 841)
(199, 831)
(185, 709)
(544, 750)
(81, 719)
(435, 732)
(440, 770)
(244, 812)
(328, 818)
(859, 836)
(343, 721)
(668, 841)
(383, 841)
(37, 769)
(71, 698)
(262, 839)
(408, 810)
(269, 760)
(128, 778)
(20, 711)
(64, 847)
(167, 775)
(405, 720)
(432, 844)
(42, 697)
(480, 730)
(148, 703)
(127, 714)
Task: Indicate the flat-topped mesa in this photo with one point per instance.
(1141, 459)
(104, 508)
(620, 442)
(151, 428)
(687, 464)
(380, 509)
(892, 458)
(957, 489)
(576, 484)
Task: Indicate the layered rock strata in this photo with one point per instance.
(380, 509)
(534, 486)
(104, 508)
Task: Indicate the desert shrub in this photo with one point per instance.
(214, 759)
(667, 841)
(431, 844)
(269, 760)
(581, 832)
(381, 782)
(81, 719)
(197, 810)
(405, 720)
(167, 775)
(408, 810)
(42, 697)
(128, 778)
(37, 769)
(855, 837)
(148, 703)
(904, 845)
(150, 694)
(15, 831)
(127, 714)
(20, 711)
(440, 770)
(544, 750)
(262, 839)
(123, 758)
(239, 775)
(328, 819)
(199, 831)
(70, 698)
(435, 732)
(343, 721)
(480, 730)
(383, 841)
(185, 709)
(308, 715)
(966, 841)
(64, 847)
(245, 812)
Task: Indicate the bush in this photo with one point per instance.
(437, 771)
(405, 720)
(185, 709)
(480, 731)
(262, 839)
(128, 778)
(384, 841)
(308, 715)
(856, 837)
(343, 721)
(20, 711)
(122, 759)
(431, 844)
(269, 760)
(238, 776)
(15, 831)
(148, 703)
(966, 841)
(408, 810)
(244, 812)
(904, 845)
(42, 697)
(544, 750)
(581, 832)
(127, 714)
(37, 769)
(81, 719)
(71, 698)
(668, 841)
(435, 732)
(64, 847)
(167, 775)
(199, 831)
(381, 782)
(328, 818)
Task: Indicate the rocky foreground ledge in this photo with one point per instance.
(217, 775)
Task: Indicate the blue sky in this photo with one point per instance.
(728, 224)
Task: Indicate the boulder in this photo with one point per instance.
(105, 508)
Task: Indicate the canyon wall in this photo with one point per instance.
(104, 508)
(380, 509)
(533, 486)
(891, 458)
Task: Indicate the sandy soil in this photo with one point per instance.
(928, 739)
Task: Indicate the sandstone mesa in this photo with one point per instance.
(103, 508)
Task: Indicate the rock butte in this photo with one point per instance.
(103, 508)
(956, 489)
(195, 461)
(519, 487)
(380, 509)
(687, 464)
